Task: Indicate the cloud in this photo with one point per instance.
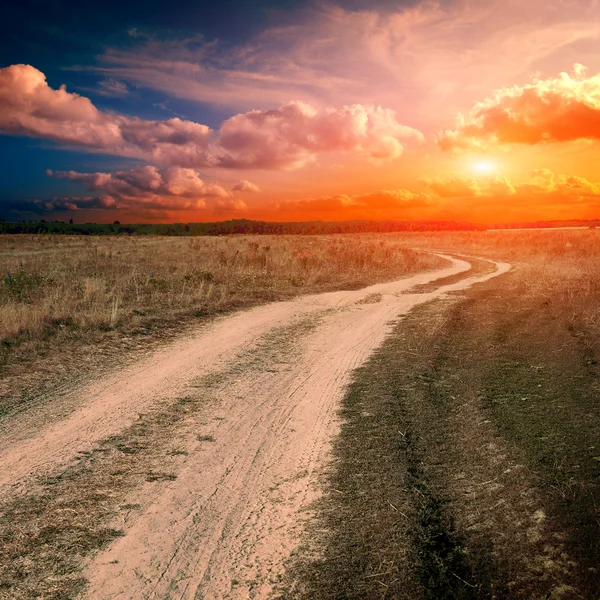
(545, 182)
(173, 194)
(112, 87)
(559, 109)
(542, 183)
(66, 204)
(351, 206)
(428, 55)
(545, 195)
(245, 186)
(284, 138)
(461, 186)
(29, 106)
(228, 205)
(296, 133)
(173, 188)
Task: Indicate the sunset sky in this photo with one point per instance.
(148, 111)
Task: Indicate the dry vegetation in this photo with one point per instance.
(560, 267)
(70, 305)
(468, 465)
(104, 283)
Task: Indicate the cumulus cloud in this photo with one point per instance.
(296, 133)
(227, 205)
(173, 188)
(459, 185)
(29, 106)
(245, 186)
(544, 187)
(284, 138)
(383, 201)
(559, 109)
(545, 182)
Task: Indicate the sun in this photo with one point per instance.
(485, 167)
(482, 165)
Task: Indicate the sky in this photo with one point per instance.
(291, 110)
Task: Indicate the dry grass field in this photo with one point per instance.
(468, 460)
(70, 304)
(554, 268)
(92, 283)
(476, 474)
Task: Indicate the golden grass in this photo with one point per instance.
(559, 266)
(426, 496)
(54, 282)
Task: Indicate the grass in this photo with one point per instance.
(467, 465)
(52, 282)
(69, 305)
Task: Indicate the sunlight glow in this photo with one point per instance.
(484, 167)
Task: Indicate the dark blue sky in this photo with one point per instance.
(52, 34)
(56, 33)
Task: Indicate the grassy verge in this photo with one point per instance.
(71, 305)
(467, 465)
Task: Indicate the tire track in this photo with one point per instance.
(224, 528)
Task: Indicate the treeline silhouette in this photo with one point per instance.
(236, 226)
(248, 227)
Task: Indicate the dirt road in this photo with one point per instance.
(269, 381)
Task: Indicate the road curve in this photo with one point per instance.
(225, 526)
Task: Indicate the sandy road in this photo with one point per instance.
(225, 526)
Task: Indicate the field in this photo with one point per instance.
(66, 297)
(477, 472)
(105, 283)
(466, 459)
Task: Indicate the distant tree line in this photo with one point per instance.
(548, 224)
(236, 226)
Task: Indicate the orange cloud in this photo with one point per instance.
(571, 187)
(553, 110)
(381, 204)
(245, 186)
(460, 186)
(545, 195)
(180, 194)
